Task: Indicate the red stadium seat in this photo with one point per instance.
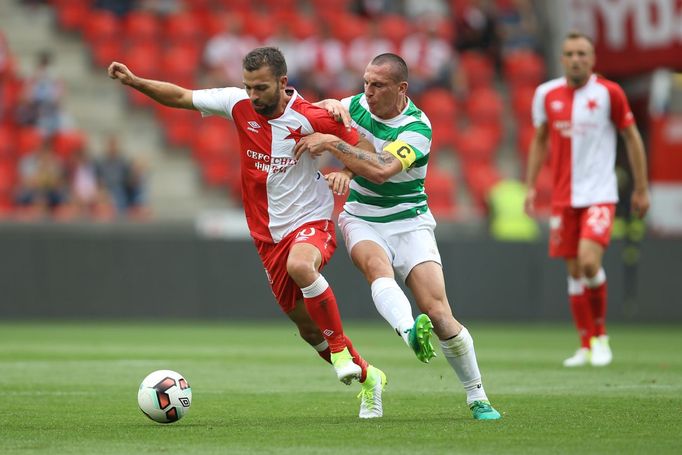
(105, 52)
(395, 28)
(525, 68)
(179, 64)
(346, 27)
(522, 103)
(66, 143)
(480, 177)
(7, 143)
(101, 25)
(477, 144)
(524, 136)
(216, 139)
(478, 69)
(29, 140)
(260, 25)
(72, 15)
(142, 28)
(439, 104)
(485, 105)
(180, 126)
(442, 191)
(181, 28)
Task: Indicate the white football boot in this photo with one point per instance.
(579, 359)
(601, 351)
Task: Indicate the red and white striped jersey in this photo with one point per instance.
(582, 126)
(279, 192)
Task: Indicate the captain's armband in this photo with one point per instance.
(402, 151)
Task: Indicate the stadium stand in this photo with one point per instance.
(481, 125)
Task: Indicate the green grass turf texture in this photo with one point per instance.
(258, 388)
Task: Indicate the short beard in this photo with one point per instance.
(268, 109)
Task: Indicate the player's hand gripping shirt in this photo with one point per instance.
(279, 193)
(402, 196)
(582, 127)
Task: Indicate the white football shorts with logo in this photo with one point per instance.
(407, 243)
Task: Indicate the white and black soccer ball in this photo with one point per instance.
(164, 396)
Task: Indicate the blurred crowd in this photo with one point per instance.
(459, 53)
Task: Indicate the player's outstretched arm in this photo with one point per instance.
(639, 202)
(361, 159)
(165, 93)
(536, 157)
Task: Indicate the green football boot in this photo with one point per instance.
(419, 338)
(482, 410)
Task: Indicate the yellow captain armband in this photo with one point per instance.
(402, 151)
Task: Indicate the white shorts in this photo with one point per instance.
(407, 243)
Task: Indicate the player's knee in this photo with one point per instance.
(439, 310)
(375, 267)
(300, 270)
(589, 266)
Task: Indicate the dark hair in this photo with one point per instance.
(575, 34)
(266, 56)
(398, 65)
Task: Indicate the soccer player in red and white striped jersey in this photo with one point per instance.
(287, 201)
(576, 118)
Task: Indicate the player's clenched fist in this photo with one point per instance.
(121, 72)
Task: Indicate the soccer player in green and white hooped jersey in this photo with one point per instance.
(387, 226)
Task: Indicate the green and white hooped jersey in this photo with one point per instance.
(402, 196)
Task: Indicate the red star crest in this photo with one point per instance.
(295, 134)
(592, 104)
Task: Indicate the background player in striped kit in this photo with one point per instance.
(576, 117)
(287, 203)
(386, 223)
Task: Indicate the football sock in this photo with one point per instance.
(324, 351)
(596, 293)
(393, 305)
(580, 308)
(357, 359)
(321, 305)
(460, 353)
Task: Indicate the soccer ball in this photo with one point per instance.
(164, 396)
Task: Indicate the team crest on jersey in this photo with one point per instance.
(253, 126)
(592, 104)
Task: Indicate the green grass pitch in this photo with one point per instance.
(257, 388)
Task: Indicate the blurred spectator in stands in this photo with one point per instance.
(5, 73)
(374, 9)
(119, 7)
(328, 72)
(518, 25)
(135, 187)
(40, 103)
(42, 184)
(224, 50)
(122, 179)
(161, 7)
(417, 8)
(88, 198)
(365, 47)
(476, 29)
(294, 52)
(431, 59)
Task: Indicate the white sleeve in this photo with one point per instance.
(539, 113)
(217, 101)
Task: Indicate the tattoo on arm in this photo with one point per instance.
(382, 158)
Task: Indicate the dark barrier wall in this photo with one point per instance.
(156, 271)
